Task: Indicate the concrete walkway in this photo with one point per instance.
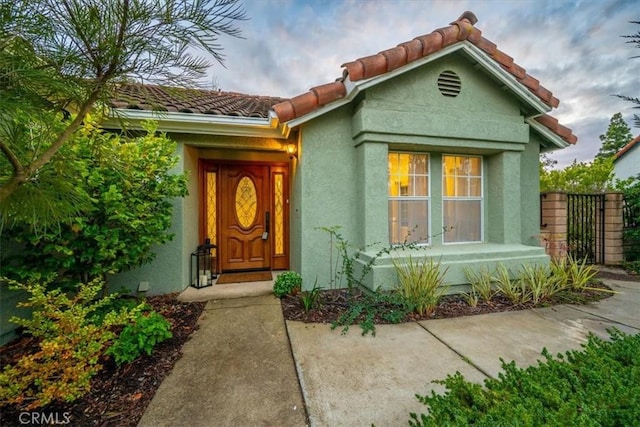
(238, 368)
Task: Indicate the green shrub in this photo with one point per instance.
(119, 302)
(286, 283)
(632, 266)
(480, 282)
(559, 269)
(344, 268)
(514, 289)
(472, 298)
(310, 298)
(580, 274)
(597, 386)
(142, 335)
(539, 282)
(70, 347)
(421, 283)
(391, 307)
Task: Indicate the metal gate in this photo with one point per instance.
(585, 227)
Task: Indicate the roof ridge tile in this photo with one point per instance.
(396, 57)
(431, 43)
(413, 48)
(329, 92)
(449, 35)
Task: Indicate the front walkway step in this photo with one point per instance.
(226, 291)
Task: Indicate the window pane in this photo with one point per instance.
(462, 220)
(403, 167)
(475, 166)
(408, 174)
(475, 187)
(394, 185)
(448, 165)
(279, 213)
(462, 186)
(408, 221)
(393, 174)
(393, 164)
(448, 186)
(421, 186)
(409, 180)
(419, 164)
(211, 209)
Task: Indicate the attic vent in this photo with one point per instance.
(449, 84)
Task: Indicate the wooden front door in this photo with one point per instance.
(244, 242)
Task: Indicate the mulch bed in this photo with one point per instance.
(332, 303)
(119, 395)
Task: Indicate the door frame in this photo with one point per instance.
(279, 259)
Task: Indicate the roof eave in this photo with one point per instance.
(505, 77)
(205, 124)
(627, 148)
(555, 140)
(476, 54)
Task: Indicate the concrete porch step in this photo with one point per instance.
(227, 291)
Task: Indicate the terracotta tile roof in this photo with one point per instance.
(635, 141)
(420, 47)
(172, 99)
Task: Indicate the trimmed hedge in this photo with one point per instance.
(596, 386)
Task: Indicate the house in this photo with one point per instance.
(434, 141)
(625, 162)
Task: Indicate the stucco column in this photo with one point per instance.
(373, 193)
(553, 227)
(613, 229)
(502, 209)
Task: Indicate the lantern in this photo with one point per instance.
(203, 268)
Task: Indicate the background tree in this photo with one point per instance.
(633, 39)
(588, 177)
(579, 177)
(59, 59)
(617, 136)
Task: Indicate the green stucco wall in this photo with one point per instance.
(9, 300)
(530, 192)
(341, 178)
(324, 195)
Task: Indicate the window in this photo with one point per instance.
(210, 231)
(462, 198)
(408, 197)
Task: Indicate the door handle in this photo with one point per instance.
(267, 217)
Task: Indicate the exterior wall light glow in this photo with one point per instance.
(292, 150)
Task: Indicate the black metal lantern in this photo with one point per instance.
(203, 267)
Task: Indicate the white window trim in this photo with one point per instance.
(476, 198)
